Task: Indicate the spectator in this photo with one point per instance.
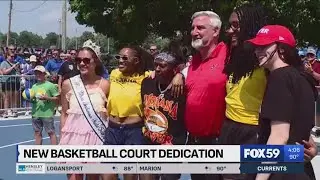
(68, 69)
(205, 92)
(153, 50)
(10, 84)
(17, 59)
(312, 65)
(54, 65)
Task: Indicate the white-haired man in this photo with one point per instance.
(205, 83)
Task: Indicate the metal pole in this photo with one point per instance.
(64, 25)
(9, 23)
(76, 39)
(108, 45)
(59, 35)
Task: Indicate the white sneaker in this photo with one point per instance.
(9, 113)
(27, 113)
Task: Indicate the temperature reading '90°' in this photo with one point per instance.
(127, 168)
(221, 168)
(293, 156)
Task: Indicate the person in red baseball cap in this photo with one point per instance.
(287, 110)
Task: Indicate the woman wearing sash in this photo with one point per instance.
(87, 88)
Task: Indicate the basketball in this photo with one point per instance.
(28, 94)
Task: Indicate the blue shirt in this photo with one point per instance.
(20, 60)
(53, 65)
(105, 73)
(1, 59)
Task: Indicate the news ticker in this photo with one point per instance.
(160, 153)
(157, 168)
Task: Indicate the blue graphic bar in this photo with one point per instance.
(272, 153)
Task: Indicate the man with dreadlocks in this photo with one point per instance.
(247, 81)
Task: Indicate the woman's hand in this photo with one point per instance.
(152, 74)
(177, 85)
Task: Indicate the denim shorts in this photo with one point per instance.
(39, 123)
(120, 134)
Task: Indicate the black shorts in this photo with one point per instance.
(234, 133)
(10, 86)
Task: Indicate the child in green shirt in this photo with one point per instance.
(43, 106)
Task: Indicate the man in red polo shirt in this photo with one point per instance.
(205, 83)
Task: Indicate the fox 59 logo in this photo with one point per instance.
(259, 153)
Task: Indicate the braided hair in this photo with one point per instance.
(241, 60)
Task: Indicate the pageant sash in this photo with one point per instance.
(86, 106)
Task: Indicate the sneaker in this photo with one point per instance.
(5, 115)
(27, 113)
(14, 114)
(9, 113)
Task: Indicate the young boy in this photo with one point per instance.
(43, 106)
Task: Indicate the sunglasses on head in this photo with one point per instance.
(84, 60)
(118, 57)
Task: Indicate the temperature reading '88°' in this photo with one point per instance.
(127, 168)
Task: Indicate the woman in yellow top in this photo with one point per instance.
(124, 102)
(246, 85)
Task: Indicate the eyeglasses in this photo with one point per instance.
(234, 26)
(153, 49)
(84, 60)
(118, 57)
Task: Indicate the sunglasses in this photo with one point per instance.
(84, 60)
(118, 57)
(12, 49)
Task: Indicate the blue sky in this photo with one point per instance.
(41, 20)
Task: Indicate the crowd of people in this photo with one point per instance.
(252, 89)
(17, 70)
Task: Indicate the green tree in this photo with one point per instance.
(106, 44)
(2, 39)
(51, 39)
(29, 39)
(132, 21)
(14, 38)
(86, 35)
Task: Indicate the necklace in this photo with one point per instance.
(162, 92)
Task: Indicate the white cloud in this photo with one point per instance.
(51, 16)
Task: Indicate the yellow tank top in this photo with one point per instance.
(125, 95)
(244, 98)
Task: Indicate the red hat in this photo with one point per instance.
(273, 33)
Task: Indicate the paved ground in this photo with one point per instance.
(14, 132)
